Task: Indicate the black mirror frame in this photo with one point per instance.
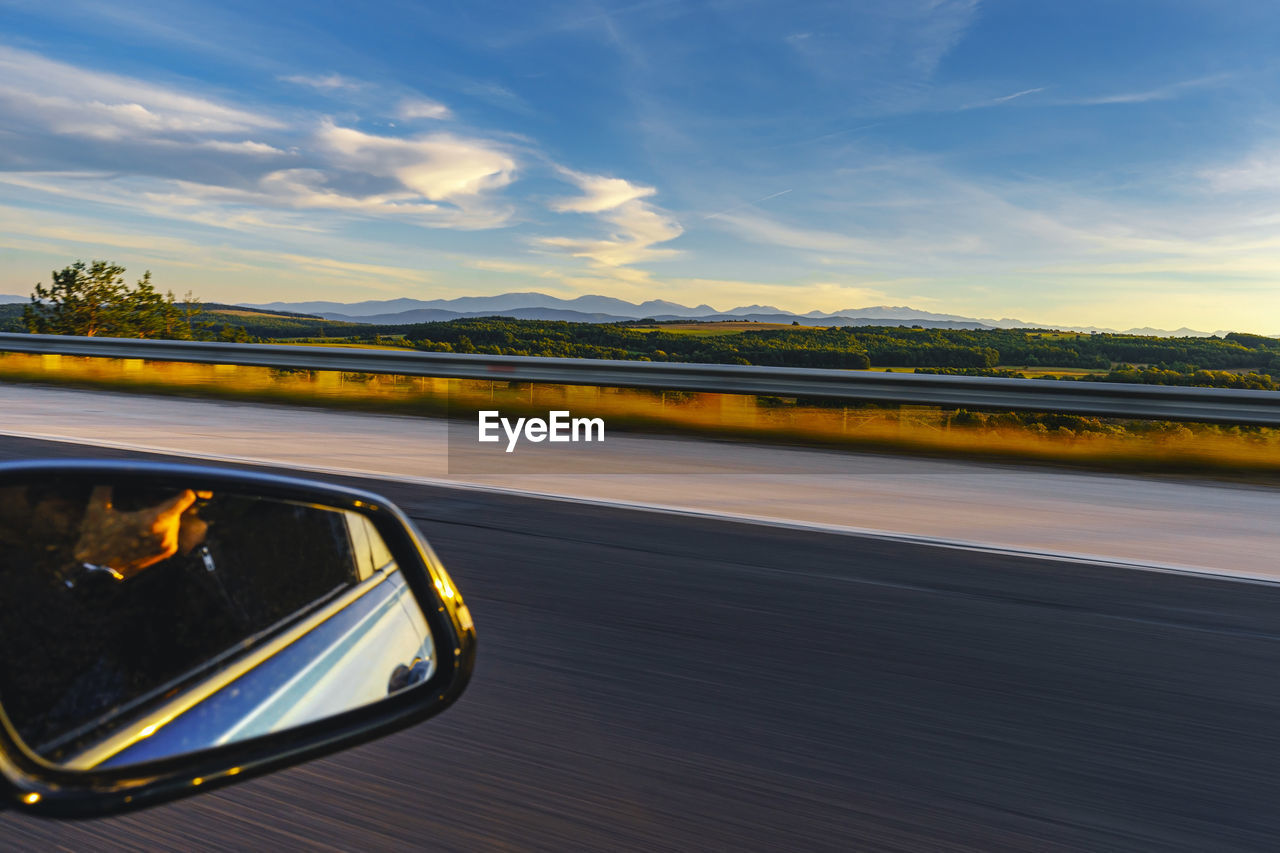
(44, 789)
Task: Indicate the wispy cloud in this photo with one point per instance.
(168, 151)
(165, 201)
(437, 166)
(77, 234)
(511, 267)
(1159, 93)
(325, 82)
(638, 226)
(761, 229)
(771, 196)
(1258, 171)
(246, 146)
(44, 94)
(938, 26)
(599, 193)
(1006, 98)
(416, 108)
(760, 200)
(497, 95)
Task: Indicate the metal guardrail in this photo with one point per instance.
(1106, 399)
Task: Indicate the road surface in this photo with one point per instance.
(666, 682)
(1183, 522)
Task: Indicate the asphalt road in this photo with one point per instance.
(650, 682)
(1181, 521)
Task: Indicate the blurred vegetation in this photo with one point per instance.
(1044, 438)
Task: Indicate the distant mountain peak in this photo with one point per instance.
(757, 309)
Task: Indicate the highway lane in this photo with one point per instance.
(1183, 521)
(651, 682)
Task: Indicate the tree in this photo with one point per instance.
(157, 316)
(94, 300)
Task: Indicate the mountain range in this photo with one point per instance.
(607, 309)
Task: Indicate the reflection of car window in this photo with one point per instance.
(361, 551)
(381, 554)
(370, 551)
(74, 654)
(274, 558)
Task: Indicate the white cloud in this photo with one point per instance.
(246, 146)
(40, 93)
(149, 133)
(622, 248)
(438, 181)
(638, 225)
(416, 108)
(168, 201)
(324, 82)
(599, 193)
(437, 166)
(308, 188)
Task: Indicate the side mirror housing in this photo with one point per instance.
(172, 628)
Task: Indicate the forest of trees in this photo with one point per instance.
(798, 347)
(1129, 358)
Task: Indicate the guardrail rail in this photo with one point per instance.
(1103, 399)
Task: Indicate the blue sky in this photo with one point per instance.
(1105, 163)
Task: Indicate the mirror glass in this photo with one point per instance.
(141, 622)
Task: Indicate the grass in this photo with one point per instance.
(1088, 443)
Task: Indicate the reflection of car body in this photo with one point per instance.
(329, 657)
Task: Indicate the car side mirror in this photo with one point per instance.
(167, 629)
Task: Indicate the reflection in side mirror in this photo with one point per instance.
(151, 617)
(157, 624)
